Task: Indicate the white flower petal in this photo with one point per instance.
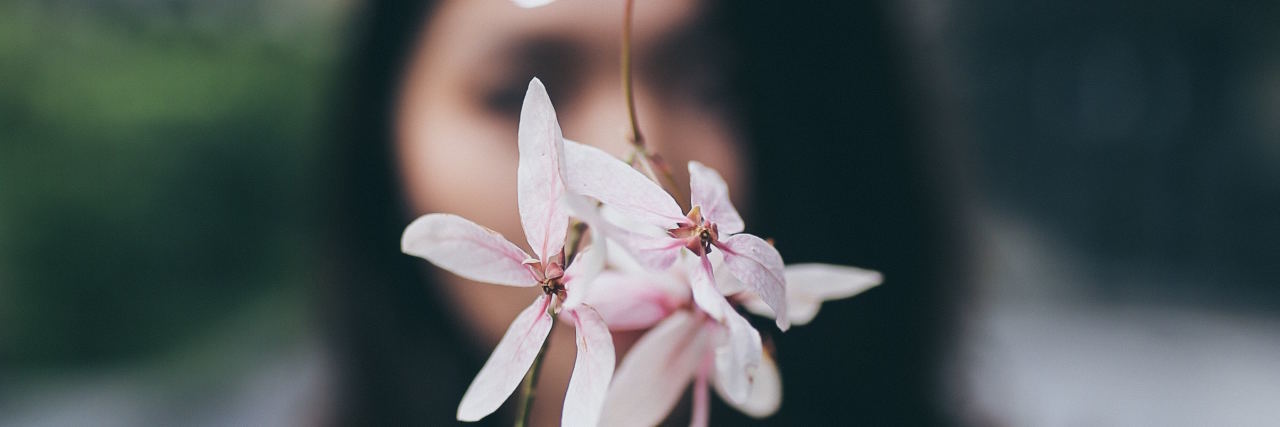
(708, 190)
(656, 253)
(737, 357)
(467, 249)
(726, 283)
(809, 285)
(592, 369)
(830, 282)
(654, 374)
(509, 362)
(702, 282)
(766, 391)
(594, 173)
(528, 4)
(653, 248)
(630, 301)
(578, 278)
(540, 174)
(759, 266)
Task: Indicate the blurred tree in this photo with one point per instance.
(155, 169)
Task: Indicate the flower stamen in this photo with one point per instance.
(699, 234)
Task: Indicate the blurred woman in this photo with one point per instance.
(802, 111)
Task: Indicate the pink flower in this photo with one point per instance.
(712, 223)
(687, 345)
(477, 253)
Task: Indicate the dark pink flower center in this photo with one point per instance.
(698, 234)
(549, 276)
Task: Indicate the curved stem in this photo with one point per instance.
(628, 94)
(667, 180)
(649, 163)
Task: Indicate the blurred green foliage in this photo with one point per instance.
(156, 163)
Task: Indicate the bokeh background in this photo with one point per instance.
(1116, 166)
(156, 220)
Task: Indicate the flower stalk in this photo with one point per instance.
(636, 138)
(648, 163)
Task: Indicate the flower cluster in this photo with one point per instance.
(611, 250)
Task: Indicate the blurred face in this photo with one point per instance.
(460, 106)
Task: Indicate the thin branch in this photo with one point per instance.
(649, 163)
(628, 93)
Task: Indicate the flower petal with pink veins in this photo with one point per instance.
(652, 378)
(509, 362)
(594, 173)
(655, 250)
(540, 173)
(578, 278)
(809, 285)
(634, 301)
(737, 357)
(469, 250)
(592, 370)
(766, 391)
(758, 266)
(703, 284)
(708, 190)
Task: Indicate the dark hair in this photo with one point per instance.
(840, 177)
